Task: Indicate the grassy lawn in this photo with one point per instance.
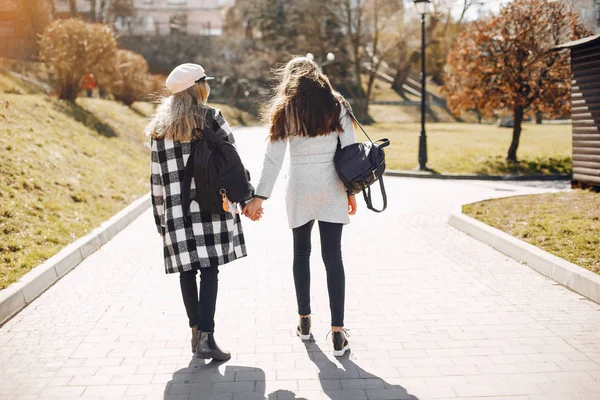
(64, 169)
(564, 224)
(476, 149)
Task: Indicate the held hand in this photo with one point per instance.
(352, 207)
(254, 210)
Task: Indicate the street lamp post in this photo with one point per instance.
(422, 8)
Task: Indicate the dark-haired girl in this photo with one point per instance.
(309, 116)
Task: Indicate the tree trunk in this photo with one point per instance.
(400, 79)
(102, 17)
(73, 7)
(403, 72)
(52, 9)
(93, 10)
(69, 92)
(514, 145)
(361, 101)
(360, 107)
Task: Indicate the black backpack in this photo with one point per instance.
(360, 165)
(218, 171)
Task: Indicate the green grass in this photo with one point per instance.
(564, 224)
(12, 84)
(64, 169)
(477, 149)
(407, 114)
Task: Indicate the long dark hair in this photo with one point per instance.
(304, 103)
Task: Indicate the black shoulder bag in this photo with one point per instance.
(359, 165)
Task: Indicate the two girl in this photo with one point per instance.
(306, 114)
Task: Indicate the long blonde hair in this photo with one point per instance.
(177, 115)
(304, 103)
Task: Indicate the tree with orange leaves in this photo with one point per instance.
(506, 62)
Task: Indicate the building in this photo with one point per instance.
(167, 17)
(585, 65)
(155, 17)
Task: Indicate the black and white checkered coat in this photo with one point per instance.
(204, 239)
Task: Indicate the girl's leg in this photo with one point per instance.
(331, 250)
(302, 248)
(209, 286)
(189, 291)
(207, 347)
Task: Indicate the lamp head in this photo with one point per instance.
(422, 6)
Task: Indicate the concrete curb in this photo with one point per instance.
(429, 175)
(21, 293)
(565, 273)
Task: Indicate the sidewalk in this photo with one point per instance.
(433, 314)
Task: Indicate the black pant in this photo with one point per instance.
(200, 307)
(331, 251)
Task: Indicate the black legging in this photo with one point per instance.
(331, 250)
(200, 308)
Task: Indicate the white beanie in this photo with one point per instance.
(185, 76)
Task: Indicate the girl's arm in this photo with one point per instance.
(274, 157)
(271, 167)
(348, 137)
(156, 190)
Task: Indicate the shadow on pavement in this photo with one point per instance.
(353, 378)
(202, 380)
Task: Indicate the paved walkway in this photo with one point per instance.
(433, 314)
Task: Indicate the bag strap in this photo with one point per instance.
(358, 123)
(367, 190)
(186, 185)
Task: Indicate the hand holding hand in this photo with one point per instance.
(254, 210)
(352, 206)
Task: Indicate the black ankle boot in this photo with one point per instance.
(340, 344)
(207, 348)
(303, 329)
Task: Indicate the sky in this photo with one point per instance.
(489, 6)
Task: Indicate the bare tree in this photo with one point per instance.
(384, 13)
(466, 6)
(365, 23)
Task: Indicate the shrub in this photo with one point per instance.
(72, 49)
(157, 85)
(131, 78)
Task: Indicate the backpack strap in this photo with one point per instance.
(367, 190)
(186, 185)
(357, 123)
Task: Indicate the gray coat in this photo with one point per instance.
(314, 192)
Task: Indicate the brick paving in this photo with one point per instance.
(433, 314)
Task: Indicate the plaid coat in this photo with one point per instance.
(205, 239)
